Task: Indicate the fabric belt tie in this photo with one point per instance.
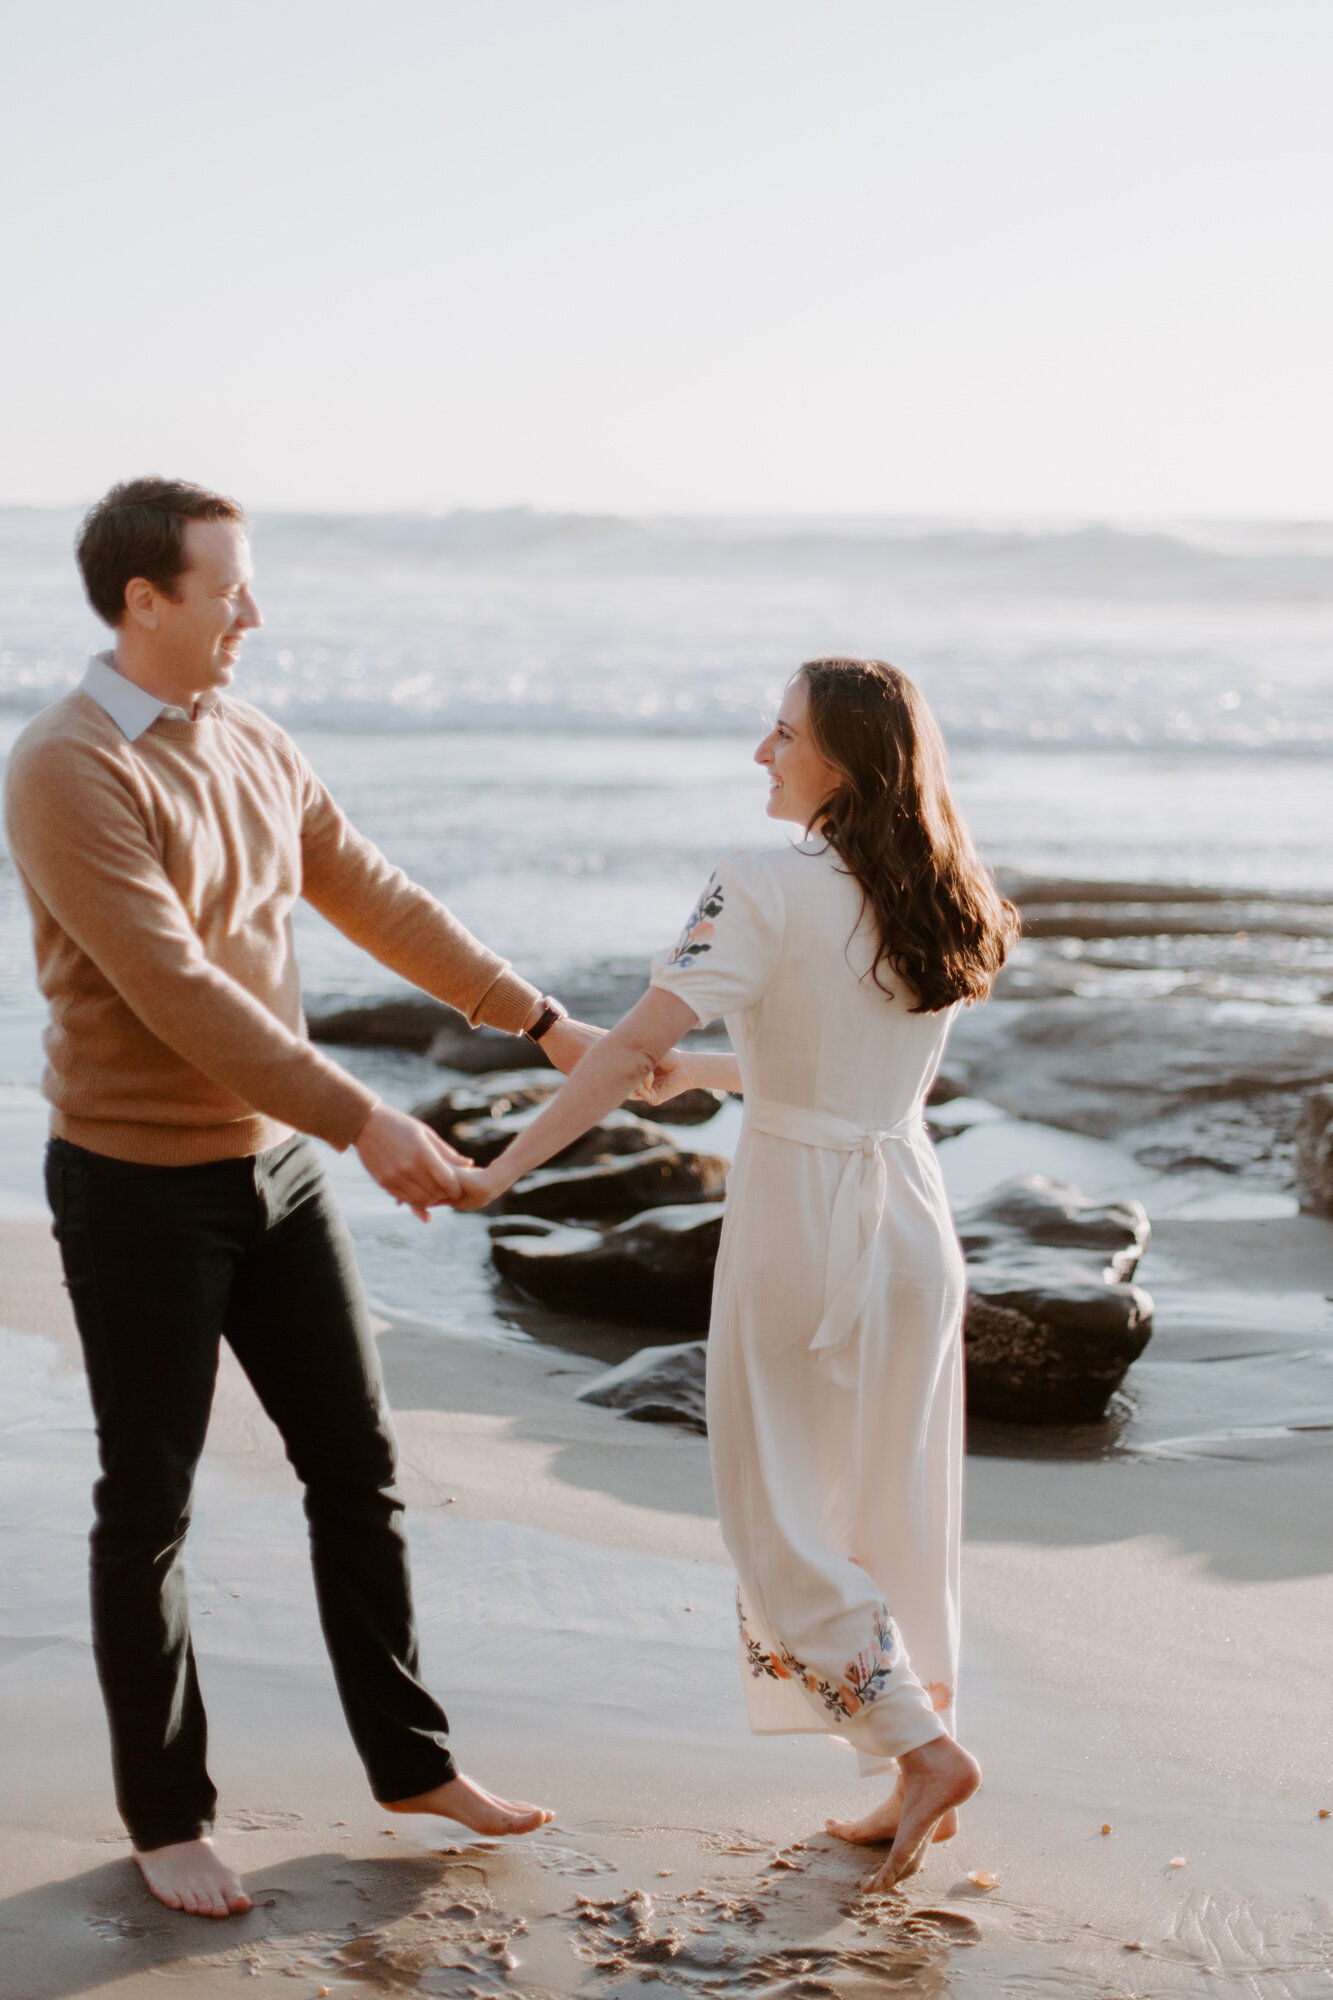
(858, 1205)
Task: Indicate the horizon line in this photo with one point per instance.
(1056, 520)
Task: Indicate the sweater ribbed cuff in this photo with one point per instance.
(506, 1003)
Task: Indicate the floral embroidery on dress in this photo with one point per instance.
(866, 1675)
(696, 938)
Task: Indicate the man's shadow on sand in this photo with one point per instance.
(71, 1937)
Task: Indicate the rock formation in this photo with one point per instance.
(654, 1270)
(1052, 1323)
(1314, 1151)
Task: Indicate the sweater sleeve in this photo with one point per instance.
(384, 912)
(82, 847)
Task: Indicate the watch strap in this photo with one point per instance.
(551, 1012)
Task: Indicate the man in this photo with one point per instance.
(162, 832)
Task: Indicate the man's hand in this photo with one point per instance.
(409, 1161)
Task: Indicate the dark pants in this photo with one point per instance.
(161, 1263)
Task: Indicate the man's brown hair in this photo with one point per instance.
(138, 529)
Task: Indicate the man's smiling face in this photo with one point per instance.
(201, 629)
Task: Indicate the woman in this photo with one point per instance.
(835, 1360)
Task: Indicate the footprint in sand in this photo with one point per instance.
(571, 1860)
(261, 1821)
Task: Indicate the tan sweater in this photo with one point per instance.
(161, 875)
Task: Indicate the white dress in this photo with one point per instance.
(835, 1385)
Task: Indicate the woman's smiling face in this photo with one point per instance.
(800, 777)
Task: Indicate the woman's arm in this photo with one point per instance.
(610, 1072)
(715, 1069)
(692, 1069)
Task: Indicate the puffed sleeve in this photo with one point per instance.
(724, 957)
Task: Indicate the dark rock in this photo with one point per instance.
(617, 1137)
(620, 1136)
(1314, 1151)
(691, 1107)
(1053, 1216)
(510, 1090)
(484, 1139)
(1032, 982)
(655, 1270)
(411, 1023)
(433, 1030)
(1049, 1355)
(1176, 919)
(659, 1385)
(446, 1113)
(1101, 1066)
(1029, 889)
(618, 1187)
(950, 1082)
(1051, 1325)
(1253, 1136)
(518, 1089)
(481, 1118)
(476, 1051)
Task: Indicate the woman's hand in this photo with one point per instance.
(409, 1161)
(671, 1076)
(478, 1187)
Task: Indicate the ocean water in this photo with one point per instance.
(549, 719)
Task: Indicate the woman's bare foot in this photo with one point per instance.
(191, 1876)
(474, 1808)
(936, 1779)
(881, 1823)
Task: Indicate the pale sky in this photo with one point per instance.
(1014, 257)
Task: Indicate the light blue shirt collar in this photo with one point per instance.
(131, 708)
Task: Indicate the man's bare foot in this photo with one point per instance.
(191, 1876)
(881, 1823)
(474, 1808)
(937, 1778)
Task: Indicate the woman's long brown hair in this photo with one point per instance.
(942, 925)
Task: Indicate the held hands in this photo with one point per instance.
(409, 1161)
(568, 1041)
(418, 1169)
(668, 1080)
(479, 1186)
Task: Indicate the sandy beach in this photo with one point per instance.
(633, 416)
(1146, 1648)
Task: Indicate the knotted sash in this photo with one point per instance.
(858, 1205)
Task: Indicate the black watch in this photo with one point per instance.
(551, 1012)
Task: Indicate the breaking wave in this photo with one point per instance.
(1215, 636)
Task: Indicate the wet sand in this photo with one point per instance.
(1147, 1637)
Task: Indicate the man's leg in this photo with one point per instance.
(147, 1253)
(298, 1322)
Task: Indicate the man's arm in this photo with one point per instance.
(383, 911)
(84, 851)
(378, 907)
